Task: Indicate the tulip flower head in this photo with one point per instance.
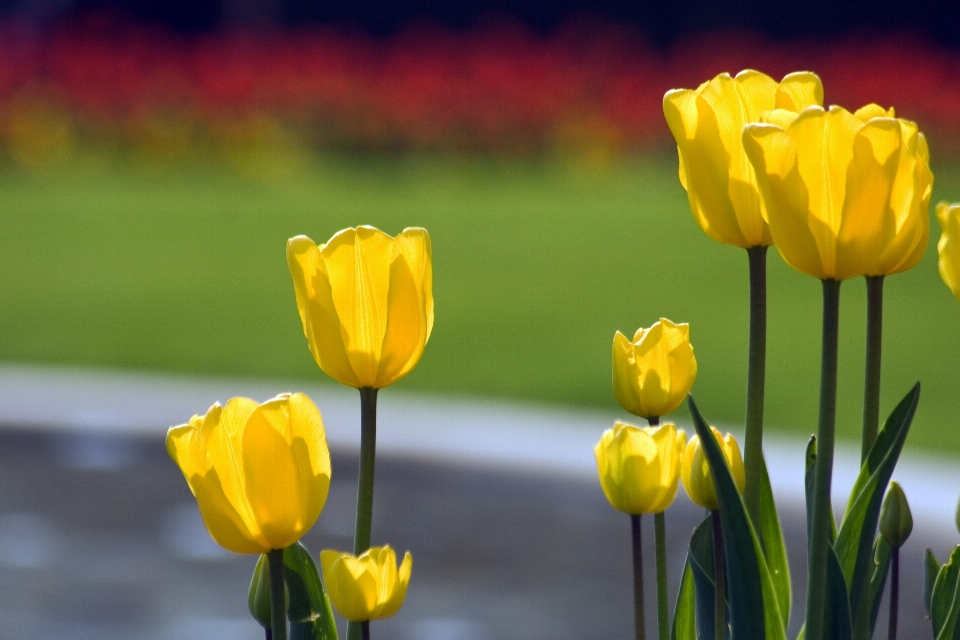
(695, 470)
(653, 374)
(949, 245)
(847, 194)
(707, 124)
(366, 302)
(260, 472)
(639, 468)
(366, 587)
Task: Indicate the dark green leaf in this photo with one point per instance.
(749, 585)
(930, 570)
(311, 617)
(258, 597)
(685, 613)
(943, 599)
(878, 577)
(838, 625)
(774, 547)
(700, 559)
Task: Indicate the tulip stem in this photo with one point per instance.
(278, 605)
(719, 580)
(368, 454)
(894, 593)
(871, 386)
(365, 630)
(663, 613)
(820, 518)
(637, 578)
(756, 378)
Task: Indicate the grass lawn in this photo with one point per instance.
(535, 267)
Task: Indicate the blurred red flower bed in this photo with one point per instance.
(587, 89)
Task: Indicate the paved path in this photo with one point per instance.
(99, 537)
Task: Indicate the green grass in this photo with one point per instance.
(535, 267)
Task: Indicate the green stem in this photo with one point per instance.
(823, 466)
(756, 377)
(894, 593)
(719, 580)
(368, 453)
(637, 578)
(278, 605)
(365, 629)
(663, 613)
(871, 385)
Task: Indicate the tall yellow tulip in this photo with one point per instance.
(639, 468)
(366, 302)
(707, 124)
(847, 194)
(653, 374)
(368, 587)
(695, 470)
(948, 247)
(260, 472)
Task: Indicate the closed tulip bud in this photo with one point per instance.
(896, 521)
(639, 468)
(260, 472)
(653, 374)
(949, 245)
(846, 194)
(366, 302)
(695, 470)
(258, 596)
(368, 587)
(707, 124)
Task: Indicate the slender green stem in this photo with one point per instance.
(756, 378)
(871, 385)
(638, 622)
(368, 454)
(817, 545)
(719, 580)
(365, 629)
(894, 593)
(278, 605)
(663, 613)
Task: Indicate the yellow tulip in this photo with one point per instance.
(707, 124)
(368, 587)
(695, 471)
(654, 373)
(639, 468)
(366, 302)
(949, 245)
(847, 194)
(260, 472)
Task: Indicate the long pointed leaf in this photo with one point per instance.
(838, 625)
(944, 607)
(700, 559)
(748, 579)
(774, 547)
(930, 570)
(685, 613)
(311, 617)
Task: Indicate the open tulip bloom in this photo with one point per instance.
(367, 587)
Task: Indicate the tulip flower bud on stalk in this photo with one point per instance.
(695, 471)
(896, 523)
(653, 374)
(948, 247)
(368, 587)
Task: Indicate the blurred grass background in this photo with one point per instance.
(537, 262)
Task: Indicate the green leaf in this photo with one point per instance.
(838, 625)
(855, 538)
(700, 559)
(258, 597)
(878, 579)
(811, 458)
(748, 579)
(774, 547)
(309, 612)
(944, 607)
(931, 567)
(685, 613)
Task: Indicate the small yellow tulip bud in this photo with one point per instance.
(368, 587)
(707, 123)
(949, 245)
(260, 472)
(695, 470)
(639, 468)
(896, 521)
(653, 374)
(366, 302)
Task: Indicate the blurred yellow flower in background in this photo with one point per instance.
(639, 468)
(847, 194)
(695, 470)
(260, 472)
(366, 302)
(707, 124)
(653, 374)
(366, 587)
(949, 245)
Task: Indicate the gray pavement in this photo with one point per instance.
(499, 503)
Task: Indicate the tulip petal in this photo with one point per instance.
(799, 90)
(318, 314)
(399, 591)
(625, 384)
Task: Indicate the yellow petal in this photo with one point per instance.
(351, 586)
(948, 247)
(399, 591)
(625, 376)
(799, 90)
